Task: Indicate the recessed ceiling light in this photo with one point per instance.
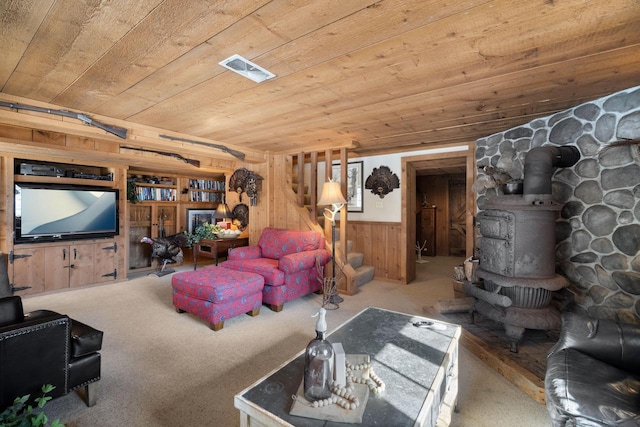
(246, 68)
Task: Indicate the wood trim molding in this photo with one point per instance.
(407, 261)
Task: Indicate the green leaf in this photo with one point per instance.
(48, 388)
(39, 420)
(22, 400)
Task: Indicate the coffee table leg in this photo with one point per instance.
(244, 419)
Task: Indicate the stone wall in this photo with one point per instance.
(598, 230)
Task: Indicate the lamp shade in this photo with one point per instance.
(331, 194)
(223, 211)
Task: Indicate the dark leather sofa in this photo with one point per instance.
(44, 347)
(593, 374)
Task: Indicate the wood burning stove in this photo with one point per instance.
(516, 250)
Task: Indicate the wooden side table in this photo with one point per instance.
(216, 247)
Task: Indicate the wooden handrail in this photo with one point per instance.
(311, 219)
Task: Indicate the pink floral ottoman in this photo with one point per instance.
(216, 294)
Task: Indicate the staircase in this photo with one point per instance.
(364, 273)
(350, 263)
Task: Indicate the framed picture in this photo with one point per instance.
(354, 185)
(196, 217)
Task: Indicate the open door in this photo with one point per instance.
(460, 209)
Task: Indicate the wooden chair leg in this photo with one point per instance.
(217, 326)
(276, 308)
(254, 312)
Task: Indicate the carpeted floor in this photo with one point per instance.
(161, 368)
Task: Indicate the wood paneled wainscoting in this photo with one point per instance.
(381, 244)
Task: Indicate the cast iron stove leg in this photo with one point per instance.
(514, 333)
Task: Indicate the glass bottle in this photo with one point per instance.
(318, 363)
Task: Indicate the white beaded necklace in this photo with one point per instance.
(374, 382)
(342, 396)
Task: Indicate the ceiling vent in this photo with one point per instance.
(246, 68)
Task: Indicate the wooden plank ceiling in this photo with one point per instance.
(377, 76)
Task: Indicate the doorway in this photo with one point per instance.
(441, 212)
(451, 175)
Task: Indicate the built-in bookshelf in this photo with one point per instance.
(206, 190)
(159, 206)
(156, 192)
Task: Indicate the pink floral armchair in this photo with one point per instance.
(287, 261)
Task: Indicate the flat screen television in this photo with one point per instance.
(50, 212)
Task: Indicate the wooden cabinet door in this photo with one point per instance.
(153, 220)
(140, 225)
(166, 220)
(81, 264)
(457, 218)
(56, 266)
(104, 255)
(28, 270)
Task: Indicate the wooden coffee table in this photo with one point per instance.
(418, 364)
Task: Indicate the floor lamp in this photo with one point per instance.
(332, 195)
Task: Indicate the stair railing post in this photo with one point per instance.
(344, 166)
(313, 186)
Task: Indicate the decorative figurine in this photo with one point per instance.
(245, 181)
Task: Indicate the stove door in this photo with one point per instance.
(496, 256)
(496, 246)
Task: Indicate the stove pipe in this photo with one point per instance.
(538, 169)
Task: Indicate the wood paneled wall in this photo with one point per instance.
(276, 207)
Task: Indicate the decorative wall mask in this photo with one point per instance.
(245, 181)
(382, 181)
(241, 216)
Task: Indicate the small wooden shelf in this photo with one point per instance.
(63, 180)
(144, 184)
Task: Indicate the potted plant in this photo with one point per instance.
(132, 195)
(19, 414)
(203, 231)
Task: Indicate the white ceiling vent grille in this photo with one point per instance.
(246, 68)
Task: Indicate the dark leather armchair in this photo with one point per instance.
(593, 374)
(44, 347)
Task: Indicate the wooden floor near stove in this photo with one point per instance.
(487, 341)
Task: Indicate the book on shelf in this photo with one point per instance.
(204, 196)
(159, 194)
(206, 184)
